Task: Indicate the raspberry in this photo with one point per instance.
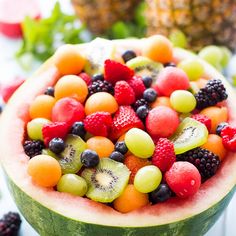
(164, 155)
(98, 123)
(33, 148)
(211, 94)
(86, 78)
(137, 85)
(10, 224)
(124, 94)
(134, 164)
(228, 134)
(124, 119)
(54, 130)
(206, 162)
(203, 119)
(115, 71)
(100, 86)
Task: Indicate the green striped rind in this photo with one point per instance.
(49, 223)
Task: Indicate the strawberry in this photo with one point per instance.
(164, 155)
(203, 119)
(137, 85)
(125, 118)
(124, 94)
(115, 71)
(98, 123)
(86, 78)
(54, 130)
(228, 134)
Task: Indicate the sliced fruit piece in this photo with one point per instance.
(190, 134)
(70, 158)
(144, 66)
(107, 181)
(98, 51)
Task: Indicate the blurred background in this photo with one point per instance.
(31, 31)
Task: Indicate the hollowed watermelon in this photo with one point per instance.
(54, 213)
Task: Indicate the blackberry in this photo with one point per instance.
(33, 148)
(100, 86)
(139, 103)
(211, 94)
(10, 224)
(206, 162)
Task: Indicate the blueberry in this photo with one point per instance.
(89, 158)
(117, 156)
(161, 194)
(150, 95)
(128, 55)
(147, 81)
(142, 112)
(220, 127)
(121, 147)
(49, 91)
(97, 77)
(78, 129)
(172, 64)
(57, 145)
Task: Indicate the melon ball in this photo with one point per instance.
(171, 79)
(162, 121)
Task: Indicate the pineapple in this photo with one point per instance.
(99, 15)
(203, 21)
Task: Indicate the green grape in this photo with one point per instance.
(178, 39)
(147, 179)
(183, 101)
(72, 183)
(226, 56)
(192, 67)
(34, 128)
(139, 143)
(212, 54)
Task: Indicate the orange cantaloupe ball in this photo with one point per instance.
(69, 60)
(216, 114)
(101, 145)
(71, 86)
(215, 145)
(44, 170)
(101, 101)
(42, 106)
(161, 101)
(158, 48)
(130, 200)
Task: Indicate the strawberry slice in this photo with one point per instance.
(54, 130)
(115, 71)
(125, 118)
(98, 123)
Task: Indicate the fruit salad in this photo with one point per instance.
(130, 129)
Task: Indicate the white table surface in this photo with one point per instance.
(225, 226)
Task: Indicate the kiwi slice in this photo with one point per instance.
(190, 134)
(144, 66)
(107, 181)
(70, 157)
(50, 153)
(98, 51)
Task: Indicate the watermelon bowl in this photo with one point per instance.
(54, 213)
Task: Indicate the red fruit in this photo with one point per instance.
(171, 79)
(125, 118)
(85, 77)
(228, 134)
(68, 110)
(54, 130)
(124, 94)
(98, 123)
(183, 178)
(203, 119)
(162, 121)
(137, 85)
(115, 71)
(164, 154)
(9, 88)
